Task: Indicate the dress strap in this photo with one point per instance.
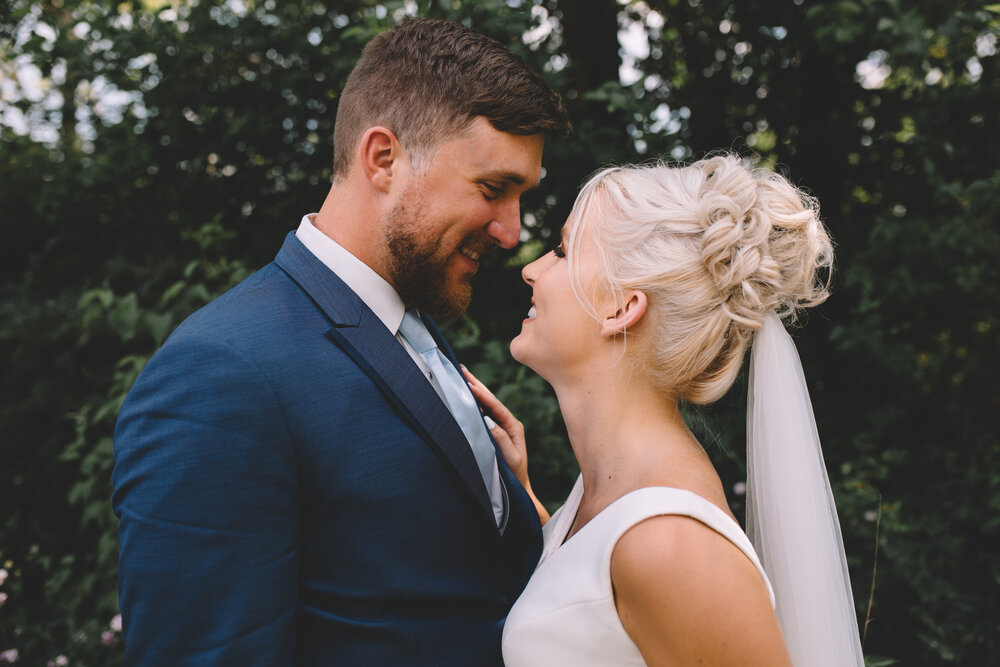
(648, 502)
(613, 521)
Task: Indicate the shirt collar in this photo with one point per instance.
(373, 289)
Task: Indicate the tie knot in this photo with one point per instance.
(415, 333)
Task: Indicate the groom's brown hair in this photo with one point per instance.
(427, 79)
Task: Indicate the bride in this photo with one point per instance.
(662, 279)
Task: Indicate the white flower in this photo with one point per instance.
(60, 661)
(10, 655)
(116, 623)
(3, 598)
(3, 576)
(739, 488)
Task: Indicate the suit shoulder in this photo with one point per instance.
(251, 316)
(245, 300)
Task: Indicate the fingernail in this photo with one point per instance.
(489, 422)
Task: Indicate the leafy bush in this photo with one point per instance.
(172, 145)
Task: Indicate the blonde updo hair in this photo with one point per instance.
(715, 246)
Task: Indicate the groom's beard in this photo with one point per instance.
(419, 262)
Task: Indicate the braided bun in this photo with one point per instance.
(715, 246)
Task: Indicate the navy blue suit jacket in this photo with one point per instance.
(291, 490)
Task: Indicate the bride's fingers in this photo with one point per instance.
(498, 410)
(510, 452)
(478, 387)
(508, 433)
(504, 417)
(488, 400)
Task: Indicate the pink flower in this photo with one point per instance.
(108, 638)
(3, 576)
(116, 623)
(10, 655)
(60, 661)
(3, 598)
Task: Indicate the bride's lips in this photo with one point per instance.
(531, 313)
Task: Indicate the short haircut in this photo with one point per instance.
(427, 79)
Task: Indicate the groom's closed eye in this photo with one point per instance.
(492, 191)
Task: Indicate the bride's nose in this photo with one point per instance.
(530, 271)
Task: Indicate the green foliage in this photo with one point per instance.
(174, 143)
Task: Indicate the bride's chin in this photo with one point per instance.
(518, 351)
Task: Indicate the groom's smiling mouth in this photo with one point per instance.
(470, 253)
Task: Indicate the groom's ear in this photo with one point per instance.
(381, 157)
(627, 316)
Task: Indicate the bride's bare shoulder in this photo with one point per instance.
(683, 552)
(685, 594)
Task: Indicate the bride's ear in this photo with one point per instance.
(627, 316)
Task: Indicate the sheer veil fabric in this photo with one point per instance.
(791, 516)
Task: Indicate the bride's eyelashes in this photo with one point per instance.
(558, 251)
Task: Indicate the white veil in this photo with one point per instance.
(791, 516)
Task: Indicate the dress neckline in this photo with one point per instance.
(565, 520)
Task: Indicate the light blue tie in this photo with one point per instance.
(457, 395)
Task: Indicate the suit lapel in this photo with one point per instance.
(364, 338)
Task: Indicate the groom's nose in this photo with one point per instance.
(505, 229)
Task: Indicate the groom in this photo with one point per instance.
(299, 477)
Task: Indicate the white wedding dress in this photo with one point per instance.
(566, 615)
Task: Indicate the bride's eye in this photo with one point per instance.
(558, 251)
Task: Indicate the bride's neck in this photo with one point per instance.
(624, 432)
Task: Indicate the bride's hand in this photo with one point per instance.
(508, 432)
(505, 428)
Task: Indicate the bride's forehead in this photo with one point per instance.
(577, 218)
(578, 223)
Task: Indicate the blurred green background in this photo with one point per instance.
(153, 153)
